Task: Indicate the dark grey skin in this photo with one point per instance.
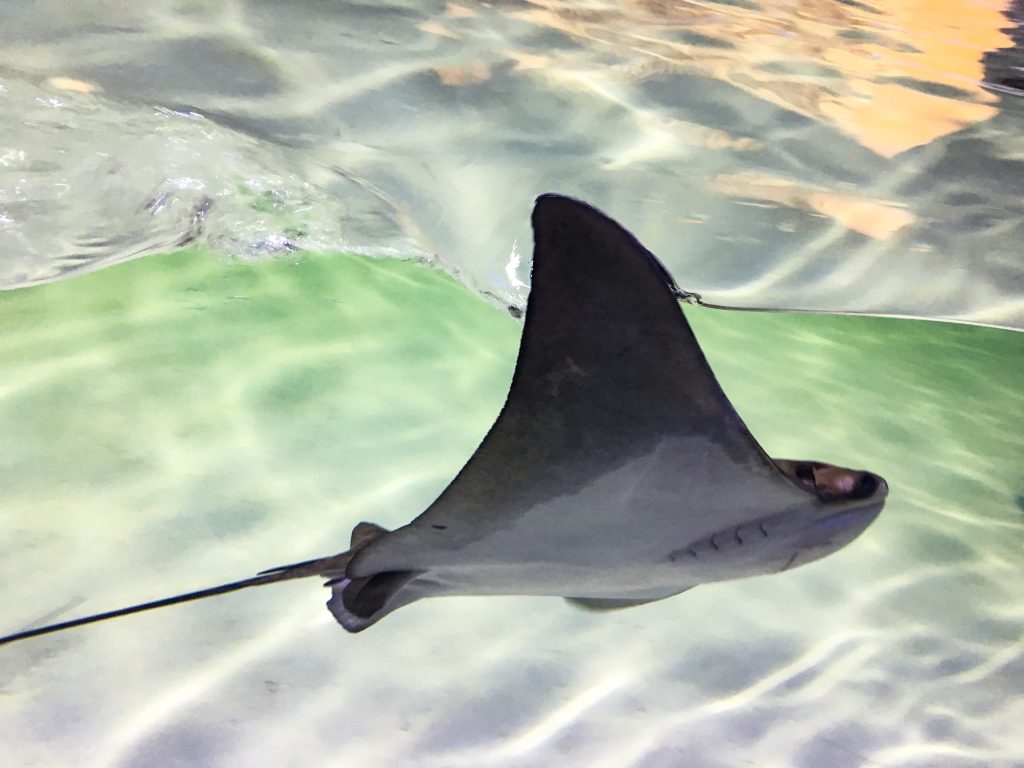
(617, 473)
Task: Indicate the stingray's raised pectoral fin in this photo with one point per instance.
(610, 382)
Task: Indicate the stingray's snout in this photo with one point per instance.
(867, 486)
(834, 484)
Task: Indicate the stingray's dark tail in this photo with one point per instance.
(330, 567)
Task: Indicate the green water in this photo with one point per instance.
(240, 390)
(182, 420)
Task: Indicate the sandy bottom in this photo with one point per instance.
(180, 421)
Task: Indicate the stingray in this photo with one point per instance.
(617, 473)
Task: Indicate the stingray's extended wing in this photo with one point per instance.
(611, 393)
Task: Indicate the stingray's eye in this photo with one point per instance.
(865, 486)
(804, 471)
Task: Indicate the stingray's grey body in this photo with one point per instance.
(617, 472)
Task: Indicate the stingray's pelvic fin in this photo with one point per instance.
(358, 603)
(601, 604)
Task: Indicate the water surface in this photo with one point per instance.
(862, 156)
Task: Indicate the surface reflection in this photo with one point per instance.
(783, 155)
(894, 75)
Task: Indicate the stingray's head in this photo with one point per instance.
(841, 504)
(849, 500)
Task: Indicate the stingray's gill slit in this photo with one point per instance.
(616, 474)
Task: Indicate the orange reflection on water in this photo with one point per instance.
(892, 76)
(875, 218)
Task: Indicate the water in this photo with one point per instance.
(184, 420)
(201, 413)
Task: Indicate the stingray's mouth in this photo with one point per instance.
(833, 532)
